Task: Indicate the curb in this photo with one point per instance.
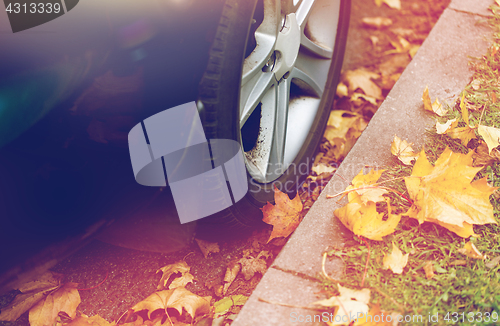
(442, 64)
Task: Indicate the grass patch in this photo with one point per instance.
(463, 291)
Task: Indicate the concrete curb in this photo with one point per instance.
(441, 64)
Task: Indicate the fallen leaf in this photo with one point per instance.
(323, 168)
(490, 135)
(32, 293)
(403, 151)
(482, 157)
(207, 248)
(402, 46)
(364, 187)
(435, 107)
(465, 134)
(364, 220)
(471, 251)
(284, 216)
(395, 261)
(395, 4)
(342, 90)
(376, 22)
(493, 263)
(251, 265)
(231, 272)
(65, 299)
(357, 96)
(458, 262)
(429, 269)
(224, 305)
(443, 193)
(449, 125)
(179, 267)
(178, 299)
(349, 305)
(362, 79)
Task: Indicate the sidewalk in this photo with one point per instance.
(442, 65)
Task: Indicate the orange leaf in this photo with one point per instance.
(284, 216)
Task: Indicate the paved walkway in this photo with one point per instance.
(442, 64)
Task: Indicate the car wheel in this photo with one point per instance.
(269, 84)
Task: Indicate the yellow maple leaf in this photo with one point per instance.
(178, 299)
(395, 261)
(363, 220)
(349, 305)
(284, 216)
(179, 267)
(490, 135)
(395, 4)
(403, 150)
(435, 107)
(444, 194)
(363, 185)
(465, 134)
(471, 251)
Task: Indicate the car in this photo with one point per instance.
(261, 72)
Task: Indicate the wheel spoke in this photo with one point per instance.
(315, 48)
(307, 82)
(265, 37)
(303, 12)
(276, 163)
(253, 92)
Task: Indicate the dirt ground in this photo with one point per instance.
(130, 275)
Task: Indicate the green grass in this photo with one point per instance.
(470, 288)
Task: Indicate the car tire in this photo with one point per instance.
(244, 53)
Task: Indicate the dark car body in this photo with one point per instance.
(70, 90)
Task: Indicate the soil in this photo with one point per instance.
(129, 275)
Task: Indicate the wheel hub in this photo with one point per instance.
(287, 44)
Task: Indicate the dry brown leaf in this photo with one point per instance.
(471, 251)
(395, 4)
(490, 135)
(376, 22)
(395, 261)
(362, 79)
(482, 157)
(179, 267)
(284, 216)
(45, 312)
(435, 107)
(443, 193)
(207, 248)
(178, 299)
(231, 272)
(349, 305)
(251, 265)
(32, 292)
(364, 220)
(429, 269)
(403, 150)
